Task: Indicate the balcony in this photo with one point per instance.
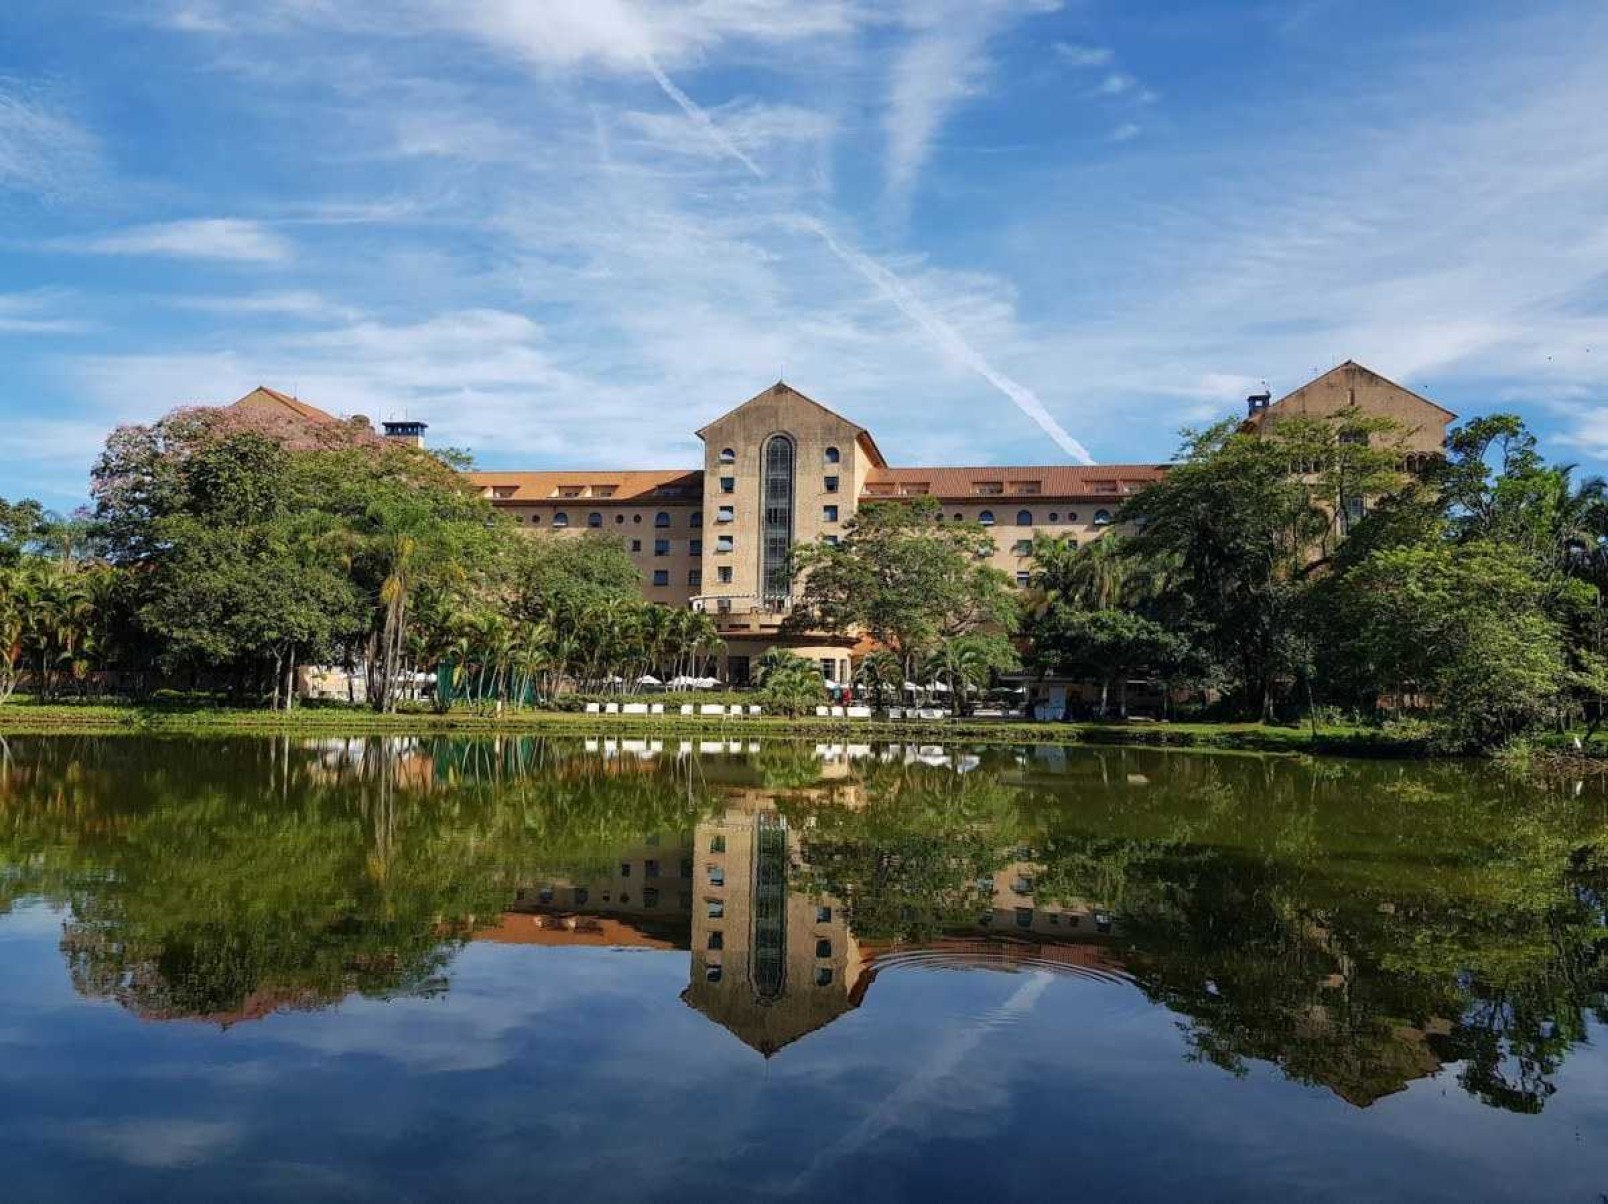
(743, 612)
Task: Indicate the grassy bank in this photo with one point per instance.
(24, 717)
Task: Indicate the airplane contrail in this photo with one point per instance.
(886, 282)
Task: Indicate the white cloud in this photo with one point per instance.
(229, 239)
(1116, 83)
(38, 313)
(1076, 54)
(41, 151)
(288, 303)
(941, 64)
(1126, 132)
(751, 126)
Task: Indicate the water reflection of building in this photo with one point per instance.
(770, 962)
(771, 959)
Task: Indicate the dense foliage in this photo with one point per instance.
(225, 551)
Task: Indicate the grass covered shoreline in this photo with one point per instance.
(25, 717)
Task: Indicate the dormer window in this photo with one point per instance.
(504, 490)
(989, 488)
(1026, 487)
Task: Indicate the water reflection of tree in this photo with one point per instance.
(1357, 929)
(1355, 926)
(910, 864)
(196, 890)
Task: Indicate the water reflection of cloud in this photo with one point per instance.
(929, 1079)
(158, 1142)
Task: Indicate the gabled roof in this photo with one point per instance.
(782, 389)
(635, 486)
(1352, 366)
(1106, 481)
(262, 397)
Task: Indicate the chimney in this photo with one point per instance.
(1258, 402)
(409, 432)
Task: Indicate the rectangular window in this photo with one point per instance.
(717, 875)
(650, 869)
(661, 547)
(828, 666)
(723, 574)
(831, 484)
(1024, 547)
(661, 576)
(717, 844)
(723, 606)
(581, 896)
(829, 514)
(728, 484)
(1024, 917)
(823, 976)
(650, 897)
(1023, 580)
(636, 545)
(695, 578)
(625, 869)
(725, 514)
(714, 909)
(695, 547)
(830, 541)
(724, 544)
(823, 948)
(823, 915)
(717, 941)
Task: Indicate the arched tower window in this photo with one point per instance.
(832, 455)
(776, 519)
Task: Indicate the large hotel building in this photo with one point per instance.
(781, 469)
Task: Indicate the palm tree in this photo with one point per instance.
(878, 671)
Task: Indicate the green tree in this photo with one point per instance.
(1241, 530)
(789, 684)
(906, 578)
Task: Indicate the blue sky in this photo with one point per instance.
(569, 232)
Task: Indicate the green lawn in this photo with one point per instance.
(23, 716)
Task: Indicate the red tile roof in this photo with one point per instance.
(634, 486)
(1053, 481)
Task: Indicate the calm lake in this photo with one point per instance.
(434, 969)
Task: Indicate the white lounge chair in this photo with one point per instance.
(656, 708)
(593, 708)
(611, 708)
(821, 712)
(858, 712)
(686, 708)
(756, 710)
(634, 708)
(711, 708)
